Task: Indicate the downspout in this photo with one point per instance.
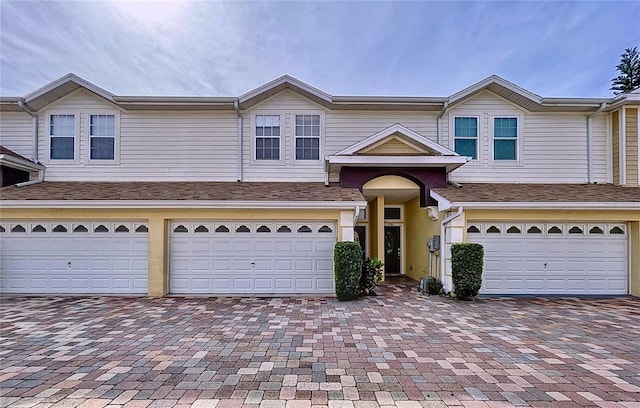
(40, 179)
(236, 106)
(445, 106)
(443, 240)
(34, 119)
(590, 142)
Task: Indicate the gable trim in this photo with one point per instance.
(69, 78)
(371, 141)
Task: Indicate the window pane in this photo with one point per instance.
(504, 149)
(267, 148)
(466, 127)
(102, 125)
(505, 127)
(62, 125)
(466, 147)
(307, 148)
(102, 148)
(62, 148)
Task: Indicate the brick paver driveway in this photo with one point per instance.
(401, 349)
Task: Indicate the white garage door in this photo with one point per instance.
(250, 257)
(553, 258)
(56, 257)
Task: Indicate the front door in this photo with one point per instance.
(392, 249)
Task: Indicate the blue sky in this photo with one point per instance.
(415, 48)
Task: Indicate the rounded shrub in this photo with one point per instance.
(466, 269)
(347, 261)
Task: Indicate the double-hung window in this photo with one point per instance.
(102, 135)
(62, 136)
(466, 136)
(307, 137)
(505, 138)
(267, 137)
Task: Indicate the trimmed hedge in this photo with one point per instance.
(347, 260)
(466, 268)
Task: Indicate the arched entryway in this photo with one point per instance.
(395, 227)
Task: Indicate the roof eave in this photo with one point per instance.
(550, 205)
(214, 204)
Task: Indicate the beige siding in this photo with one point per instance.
(392, 147)
(179, 145)
(552, 147)
(632, 146)
(286, 104)
(345, 128)
(615, 132)
(16, 132)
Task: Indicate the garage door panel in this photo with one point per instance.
(284, 265)
(548, 263)
(324, 284)
(73, 262)
(294, 260)
(285, 246)
(304, 284)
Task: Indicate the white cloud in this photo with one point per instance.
(386, 48)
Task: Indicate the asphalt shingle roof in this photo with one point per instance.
(182, 191)
(540, 193)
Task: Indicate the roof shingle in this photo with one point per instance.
(540, 193)
(182, 191)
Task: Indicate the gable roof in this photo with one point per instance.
(280, 84)
(524, 98)
(61, 87)
(412, 137)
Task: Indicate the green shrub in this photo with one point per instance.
(371, 275)
(347, 260)
(466, 268)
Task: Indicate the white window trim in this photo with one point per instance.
(76, 137)
(518, 139)
(116, 137)
(452, 133)
(301, 162)
(282, 137)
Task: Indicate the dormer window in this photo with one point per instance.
(307, 137)
(466, 136)
(267, 137)
(102, 133)
(62, 137)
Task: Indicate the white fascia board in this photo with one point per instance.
(397, 128)
(493, 79)
(18, 163)
(69, 78)
(288, 205)
(419, 161)
(550, 205)
(443, 203)
(282, 80)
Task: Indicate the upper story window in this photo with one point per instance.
(102, 134)
(466, 136)
(62, 136)
(307, 137)
(505, 138)
(267, 137)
